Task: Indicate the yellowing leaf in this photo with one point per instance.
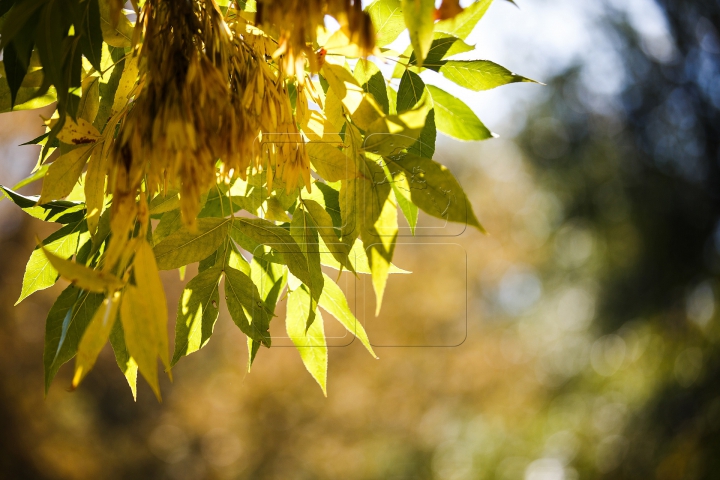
(95, 337)
(310, 342)
(90, 100)
(434, 189)
(63, 174)
(39, 273)
(117, 36)
(334, 302)
(147, 279)
(479, 75)
(125, 362)
(454, 118)
(330, 162)
(395, 133)
(187, 246)
(324, 224)
(387, 17)
(82, 276)
(140, 332)
(380, 252)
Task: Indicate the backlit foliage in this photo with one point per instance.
(244, 136)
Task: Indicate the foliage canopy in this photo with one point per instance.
(239, 127)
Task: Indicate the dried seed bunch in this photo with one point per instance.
(296, 22)
(172, 133)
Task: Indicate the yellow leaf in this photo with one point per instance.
(362, 108)
(82, 276)
(147, 279)
(318, 128)
(78, 133)
(94, 191)
(63, 173)
(140, 329)
(95, 337)
(330, 162)
(126, 85)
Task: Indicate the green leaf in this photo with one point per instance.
(394, 133)
(270, 279)
(91, 38)
(39, 273)
(334, 302)
(95, 337)
(442, 47)
(324, 224)
(170, 222)
(410, 93)
(197, 313)
(49, 44)
(362, 108)
(15, 70)
(65, 326)
(107, 90)
(455, 119)
(402, 192)
(434, 189)
(17, 19)
(164, 202)
(127, 364)
(28, 98)
(387, 17)
(419, 20)
(64, 173)
(372, 81)
(60, 211)
(250, 233)
(305, 233)
(59, 313)
(478, 75)
(243, 301)
(90, 100)
(187, 245)
(227, 254)
(463, 24)
(358, 260)
(329, 199)
(309, 341)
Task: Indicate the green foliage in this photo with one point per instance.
(369, 138)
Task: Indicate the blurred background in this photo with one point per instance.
(579, 339)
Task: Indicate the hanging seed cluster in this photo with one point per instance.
(295, 22)
(211, 102)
